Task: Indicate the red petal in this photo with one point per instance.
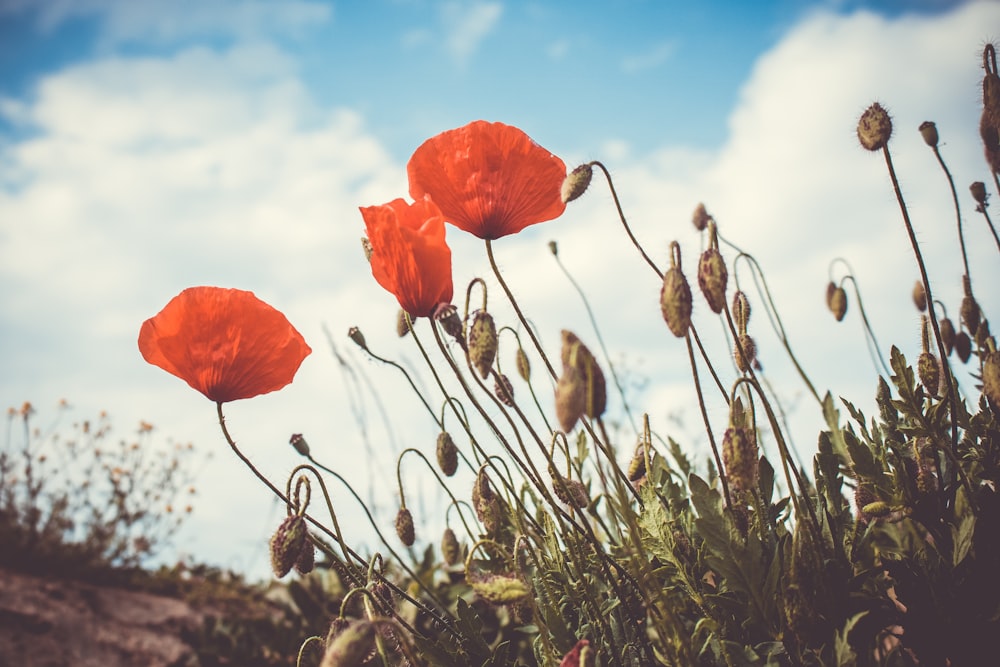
(488, 179)
(226, 343)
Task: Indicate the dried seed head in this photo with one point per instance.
(928, 130)
(963, 346)
(838, 303)
(991, 376)
(712, 278)
(580, 364)
(355, 334)
(700, 217)
(300, 444)
(874, 128)
(350, 646)
(741, 310)
(947, 335)
(482, 342)
(404, 527)
(744, 353)
(504, 390)
(500, 589)
(447, 315)
(287, 544)
(675, 302)
(447, 454)
(919, 296)
(522, 364)
(576, 182)
(739, 455)
(929, 372)
(450, 549)
(978, 190)
(402, 323)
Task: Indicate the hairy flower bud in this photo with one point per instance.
(487, 503)
(300, 444)
(929, 372)
(928, 130)
(447, 454)
(969, 310)
(404, 527)
(571, 399)
(919, 296)
(576, 356)
(450, 549)
(700, 218)
(576, 182)
(350, 646)
(874, 128)
(482, 342)
(675, 301)
(876, 510)
(712, 279)
(307, 558)
(739, 455)
(947, 335)
(963, 346)
(863, 496)
(522, 364)
(741, 310)
(838, 303)
(574, 493)
(744, 353)
(637, 466)
(500, 589)
(287, 544)
(504, 390)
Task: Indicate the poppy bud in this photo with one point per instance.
(576, 182)
(351, 646)
(504, 390)
(554, 248)
(700, 217)
(919, 296)
(969, 310)
(929, 372)
(486, 503)
(577, 356)
(741, 310)
(875, 510)
(744, 353)
(404, 527)
(838, 303)
(991, 377)
(500, 589)
(287, 544)
(928, 130)
(402, 323)
(864, 496)
(450, 549)
(570, 399)
(963, 346)
(355, 334)
(307, 558)
(523, 365)
(675, 301)
(637, 466)
(366, 247)
(482, 342)
(300, 444)
(831, 287)
(978, 190)
(947, 335)
(575, 493)
(712, 278)
(874, 128)
(447, 454)
(739, 455)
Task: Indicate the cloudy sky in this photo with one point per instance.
(149, 146)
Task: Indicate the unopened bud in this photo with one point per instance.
(876, 510)
(355, 334)
(929, 372)
(499, 589)
(700, 218)
(351, 646)
(991, 377)
(675, 302)
(741, 310)
(571, 491)
(287, 544)
(307, 558)
(523, 365)
(404, 527)
(570, 399)
(712, 278)
(554, 248)
(947, 335)
(744, 353)
(928, 130)
(482, 342)
(637, 466)
(969, 310)
(739, 455)
(838, 303)
(874, 128)
(576, 182)
(963, 346)
(447, 454)
(919, 296)
(299, 443)
(450, 549)
(504, 390)
(402, 323)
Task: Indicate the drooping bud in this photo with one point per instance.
(402, 323)
(739, 451)
(577, 357)
(675, 296)
(928, 130)
(919, 296)
(404, 527)
(863, 496)
(831, 287)
(355, 334)
(447, 454)
(969, 310)
(963, 346)
(637, 466)
(978, 190)
(570, 491)
(482, 342)
(300, 444)
(874, 128)
(554, 248)
(744, 352)
(947, 335)
(700, 217)
(351, 646)
(576, 182)
(486, 503)
(450, 549)
(571, 399)
(307, 558)
(287, 544)
(504, 390)
(838, 303)
(991, 377)
(712, 274)
(741, 310)
(500, 589)
(522, 364)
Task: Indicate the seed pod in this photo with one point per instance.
(991, 377)
(523, 365)
(504, 390)
(700, 217)
(978, 190)
(500, 589)
(402, 323)
(947, 335)
(576, 182)
(929, 372)
(838, 303)
(712, 279)
(963, 346)
(355, 334)
(300, 444)
(675, 300)
(287, 544)
(874, 128)
(482, 342)
(351, 645)
(928, 131)
(919, 296)
(447, 454)
(450, 549)
(404, 527)
(744, 353)
(447, 315)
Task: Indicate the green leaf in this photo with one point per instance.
(962, 532)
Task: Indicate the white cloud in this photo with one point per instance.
(649, 59)
(467, 24)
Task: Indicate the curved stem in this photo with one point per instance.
(621, 216)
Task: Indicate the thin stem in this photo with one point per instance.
(621, 216)
(958, 212)
(708, 425)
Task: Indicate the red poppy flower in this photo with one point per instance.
(489, 179)
(409, 255)
(226, 343)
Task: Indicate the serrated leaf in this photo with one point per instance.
(862, 459)
(962, 532)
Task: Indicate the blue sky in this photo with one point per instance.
(146, 147)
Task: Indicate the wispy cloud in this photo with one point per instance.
(466, 25)
(653, 57)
